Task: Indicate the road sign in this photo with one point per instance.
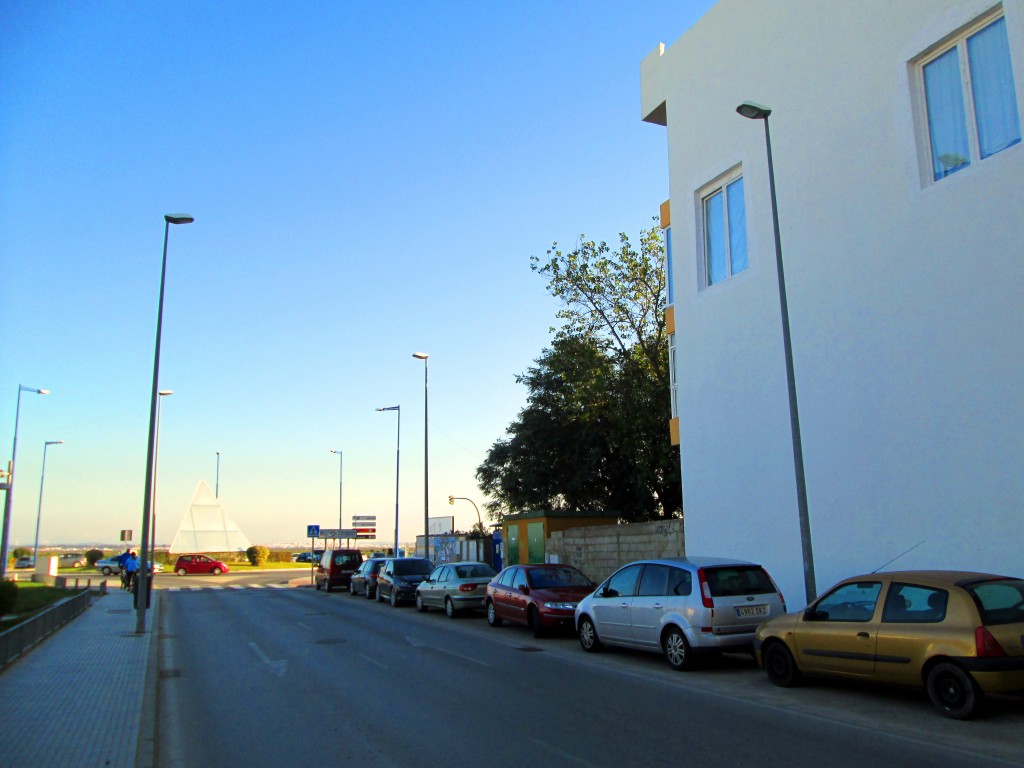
(365, 530)
(336, 533)
(367, 536)
(364, 519)
(126, 535)
(313, 531)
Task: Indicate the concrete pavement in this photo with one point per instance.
(85, 696)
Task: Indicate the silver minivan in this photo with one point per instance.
(680, 606)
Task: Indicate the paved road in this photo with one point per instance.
(290, 675)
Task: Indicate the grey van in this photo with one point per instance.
(681, 606)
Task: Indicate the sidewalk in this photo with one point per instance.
(77, 698)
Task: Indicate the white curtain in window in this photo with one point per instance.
(995, 102)
(714, 235)
(737, 226)
(947, 123)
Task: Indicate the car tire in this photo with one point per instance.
(449, 609)
(953, 691)
(217, 571)
(106, 571)
(533, 621)
(677, 650)
(493, 618)
(181, 571)
(589, 640)
(780, 665)
(419, 603)
(393, 598)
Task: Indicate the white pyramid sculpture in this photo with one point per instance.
(205, 527)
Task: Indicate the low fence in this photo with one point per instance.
(19, 638)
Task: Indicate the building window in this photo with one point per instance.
(673, 384)
(970, 98)
(725, 231)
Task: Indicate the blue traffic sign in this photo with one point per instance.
(313, 531)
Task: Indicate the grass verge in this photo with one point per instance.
(32, 598)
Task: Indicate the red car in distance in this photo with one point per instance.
(192, 564)
(543, 597)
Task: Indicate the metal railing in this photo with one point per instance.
(19, 638)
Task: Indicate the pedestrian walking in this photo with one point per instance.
(122, 560)
(131, 567)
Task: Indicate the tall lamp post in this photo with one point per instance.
(754, 111)
(39, 511)
(341, 461)
(156, 464)
(9, 495)
(426, 457)
(142, 593)
(216, 486)
(398, 447)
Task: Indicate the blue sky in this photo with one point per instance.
(368, 180)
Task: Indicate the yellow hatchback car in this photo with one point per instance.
(957, 634)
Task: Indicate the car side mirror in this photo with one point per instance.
(524, 589)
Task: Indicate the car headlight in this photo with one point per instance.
(561, 606)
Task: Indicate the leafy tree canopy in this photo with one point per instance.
(594, 433)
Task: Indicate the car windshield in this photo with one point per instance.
(413, 567)
(735, 580)
(546, 578)
(999, 601)
(476, 571)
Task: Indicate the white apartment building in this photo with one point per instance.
(899, 169)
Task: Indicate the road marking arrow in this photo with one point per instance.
(277, 667)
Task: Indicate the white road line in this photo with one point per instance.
(560, 752)
(372, 661)
(300, 625)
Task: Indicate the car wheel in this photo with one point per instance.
(953, 691)
(393, 598)
(419, 603)
(217, 571)
(588, 636)
(533, 621)
(106, 571)
(492, 617)
(181, 571)
(677, 650)
(449, 608)
(780, 665)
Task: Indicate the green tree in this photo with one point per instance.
(257, 555)
(594, 433)
(21, 552)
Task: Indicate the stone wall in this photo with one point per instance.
(598, 550)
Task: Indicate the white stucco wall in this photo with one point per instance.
(905, 297)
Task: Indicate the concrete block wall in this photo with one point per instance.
(598, 550)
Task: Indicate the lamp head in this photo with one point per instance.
(178, 218)
(420, 355)
(165, 392)
(391, 408)
(54, 442)
(337, 452)
(753, 110)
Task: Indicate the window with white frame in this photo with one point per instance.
(725, 229)
(673, 384)
(970, 97)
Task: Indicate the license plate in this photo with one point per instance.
(751, 610)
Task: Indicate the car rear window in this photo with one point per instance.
(736, 580)
(546, 578)
(475, 572)
(999, 601)
(413, 567)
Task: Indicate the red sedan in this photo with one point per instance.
(543, 597)
(199, 564)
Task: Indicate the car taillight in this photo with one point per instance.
(705, 589)
(987, 646)
(467, 587)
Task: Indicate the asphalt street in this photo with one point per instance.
(293, 674)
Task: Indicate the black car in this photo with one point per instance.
(398, 579)
(364, 580)
(308, 557)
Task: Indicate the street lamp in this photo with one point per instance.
(426, 457)
(142, 593)
(398, 446)
(754, 111)
(39, 511)
(9, 496)
(341, 461)
(216, 487)
(156, 462)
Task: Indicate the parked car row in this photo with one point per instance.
(956, 635)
